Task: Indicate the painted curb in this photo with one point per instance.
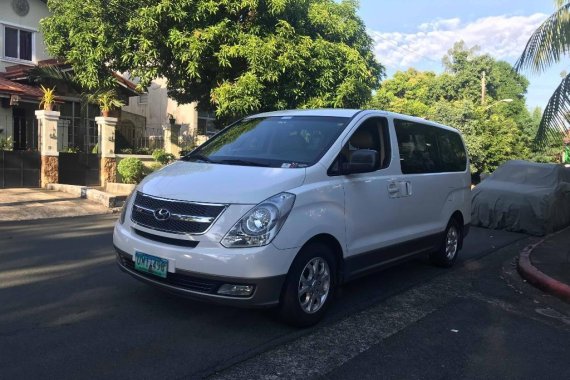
(542, 281)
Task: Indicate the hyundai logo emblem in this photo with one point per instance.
(162, 214)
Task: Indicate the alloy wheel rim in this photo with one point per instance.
(314, 285)
(451, 242)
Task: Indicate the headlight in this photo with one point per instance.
(125, 206)
(261, 224)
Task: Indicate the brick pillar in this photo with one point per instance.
(47, 122)
(107, 127)
(171, 139)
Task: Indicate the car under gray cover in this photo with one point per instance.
(523, 196)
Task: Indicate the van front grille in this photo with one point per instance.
(174, 216)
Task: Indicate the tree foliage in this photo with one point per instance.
(546, 46)
(237, 56)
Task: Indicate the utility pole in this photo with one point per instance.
(483, 88)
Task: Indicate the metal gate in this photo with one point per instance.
(19, 168)
(79, 169)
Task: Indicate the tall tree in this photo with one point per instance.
(237, 56)
(546, 46)
(468, 70)
(410, 92)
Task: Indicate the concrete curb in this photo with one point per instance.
(537, 278)
(106, 199)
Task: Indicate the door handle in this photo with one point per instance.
(408, 188)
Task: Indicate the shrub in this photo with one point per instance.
(142, 151)
(152, 168)
(131, 170)
(72, 149)
(162, 157)
(187, 149)
(6, 143)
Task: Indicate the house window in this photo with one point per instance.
(17, 43)
(206, 122)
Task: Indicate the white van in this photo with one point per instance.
(280, 208)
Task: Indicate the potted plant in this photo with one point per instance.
(108, 100)
(48, 98)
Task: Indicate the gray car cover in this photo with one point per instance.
(525, 197)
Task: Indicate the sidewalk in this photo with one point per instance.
(547, 264)
(28, 204)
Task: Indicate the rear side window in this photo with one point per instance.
(452, 151)
(428, 149)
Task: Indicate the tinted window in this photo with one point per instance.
(25, 45)
(18, 44)
(418, 147)
(371, 134)
(280, 141)
(453, 157)
(11, 42)
(428, 149)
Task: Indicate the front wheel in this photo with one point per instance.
(447, 253)
(310, 286)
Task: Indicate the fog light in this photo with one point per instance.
(236, 290)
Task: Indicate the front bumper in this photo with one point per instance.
(192, 285)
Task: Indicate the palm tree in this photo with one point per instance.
(547, 45)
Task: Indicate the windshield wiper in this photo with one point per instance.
(197, 157)
(242, 162)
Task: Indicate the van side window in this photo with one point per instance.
(372, 134)
(418, 147)
(453, 156)
(428, 149)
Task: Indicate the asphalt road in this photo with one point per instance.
(66, 311)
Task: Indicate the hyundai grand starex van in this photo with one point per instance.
(280, 208)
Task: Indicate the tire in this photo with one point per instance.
(306, 298)
(446, 255)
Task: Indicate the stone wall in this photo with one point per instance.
(108, 170)
(49, 172)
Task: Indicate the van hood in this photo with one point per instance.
(217, 183)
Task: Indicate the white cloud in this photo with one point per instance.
(448, 24)
(503, 37)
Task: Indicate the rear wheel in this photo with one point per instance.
(447, 254)
(310, 286)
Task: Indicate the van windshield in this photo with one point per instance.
(278, 141)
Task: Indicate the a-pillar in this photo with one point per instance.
(107, 127)
(171, 139)
(47, 127)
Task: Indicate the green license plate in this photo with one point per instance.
(151, 264)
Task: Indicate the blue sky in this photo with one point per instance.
(417, 33)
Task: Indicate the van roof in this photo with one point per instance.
(335, 112)
(344, 112)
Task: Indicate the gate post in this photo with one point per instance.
(171, 139)
(107, 127)
(47, 129)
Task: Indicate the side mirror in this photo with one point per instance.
(362, 161)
